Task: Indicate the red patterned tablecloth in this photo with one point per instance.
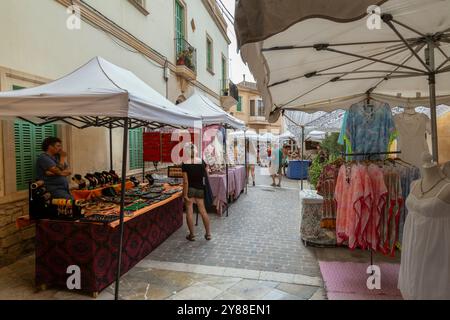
(94, 247)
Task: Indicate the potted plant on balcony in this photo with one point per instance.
(185, 58)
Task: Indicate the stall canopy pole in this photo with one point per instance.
(122, 201)
(143, 161)
(226, 169)
(110, 147)
(303, 148)
(432, 85)
(246, 148)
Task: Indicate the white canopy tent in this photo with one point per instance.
(325, 55)
(98, 94)
(249, 134)
(286, 136)
(316, 135)
(209, 112)
(96, 89)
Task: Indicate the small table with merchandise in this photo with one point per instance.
(310, 229)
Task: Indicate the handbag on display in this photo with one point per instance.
(135, 181)
(92, 181)
(78, 179)
(114, 176)
(150, 179)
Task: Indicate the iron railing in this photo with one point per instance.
(229, 89)
(185, 54)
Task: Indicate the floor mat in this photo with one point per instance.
(348, 281)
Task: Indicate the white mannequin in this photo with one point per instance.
(434, 181)
(425, 258)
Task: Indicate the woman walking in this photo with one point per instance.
(195, 190)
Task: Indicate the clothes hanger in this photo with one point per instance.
(403, 162)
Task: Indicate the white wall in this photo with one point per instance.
(34, 39)
(206, 25)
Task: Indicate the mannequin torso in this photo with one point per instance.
(434, 183)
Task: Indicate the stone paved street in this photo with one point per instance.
(255, 254)
(260, 233)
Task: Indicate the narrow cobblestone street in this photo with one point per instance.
(255, 253)
(261, 232)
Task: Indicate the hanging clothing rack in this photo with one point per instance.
(369, 155)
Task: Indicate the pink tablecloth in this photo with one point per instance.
(236, 183)
(239, 180)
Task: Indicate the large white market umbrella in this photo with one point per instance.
(325, 55)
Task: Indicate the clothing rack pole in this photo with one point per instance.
(303, 154)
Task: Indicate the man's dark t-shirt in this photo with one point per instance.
(57, 185)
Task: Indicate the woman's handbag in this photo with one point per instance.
(208, 192)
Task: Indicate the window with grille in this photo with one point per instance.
(179, 26)
(136, 149)
(261, 111)
(252, 108)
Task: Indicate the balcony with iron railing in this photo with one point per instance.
(186, 58)
(229, 93)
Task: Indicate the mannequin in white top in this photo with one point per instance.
(411, 127)
(425, 261)
(434, 182)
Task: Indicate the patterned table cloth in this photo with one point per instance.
(94, 246)
(311, 215)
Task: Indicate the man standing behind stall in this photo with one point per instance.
(51, 167)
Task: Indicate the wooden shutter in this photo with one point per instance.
(28, 146)
(135, 148)
(239, 104)
(179, 26)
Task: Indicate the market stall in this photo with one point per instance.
(100, 94)
(227, 180)
(365, 57)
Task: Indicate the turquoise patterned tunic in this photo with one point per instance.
(369, 128)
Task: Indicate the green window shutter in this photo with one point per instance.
(23, 133)
(224, 73)
(135, 148)
(239, 104)
(28, 141)
(179, 26)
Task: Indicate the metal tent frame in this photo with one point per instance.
(431, 43)
(83, 122)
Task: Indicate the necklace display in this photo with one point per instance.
(422, 193)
